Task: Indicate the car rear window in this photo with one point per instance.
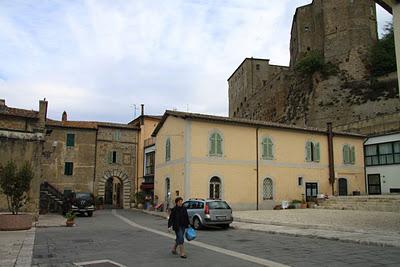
(218, 205)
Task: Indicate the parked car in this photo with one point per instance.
(208, 212)
(82, 202)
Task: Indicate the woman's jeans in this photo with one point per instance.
(180, 232)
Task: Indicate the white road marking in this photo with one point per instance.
(238, 255)
(98, 261)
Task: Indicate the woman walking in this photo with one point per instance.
(179, 220)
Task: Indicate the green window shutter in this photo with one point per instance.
(345, 154)
(270, 149)
(316, 152)
(264, 146)
(219, 144)
(353, 155)
(110, 157)
(308, 151)
(70, 140)
(212, 144)
(168, 150)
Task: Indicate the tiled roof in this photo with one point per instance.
(87, 124)
(244, 122)
(155, 117)
(4, 110)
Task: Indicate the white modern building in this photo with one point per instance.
(382, 164)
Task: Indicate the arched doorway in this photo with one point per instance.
(113, 193)
(342, 187)
(215, 188)
(115, 186)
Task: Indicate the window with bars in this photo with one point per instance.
(69, 168)
(312, 151)
(215, 187)
(70, 140)
(382, 154)
(215, 144)
(267, 148)
(349, 154)
(268, 189)
(168, 150)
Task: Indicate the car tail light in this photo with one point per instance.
(206, 210)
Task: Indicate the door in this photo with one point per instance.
(374, 184)
(342, 187)
(108, 192)
(311, 191)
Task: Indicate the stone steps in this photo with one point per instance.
(369, 203)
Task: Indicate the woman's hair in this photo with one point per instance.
(178, 199)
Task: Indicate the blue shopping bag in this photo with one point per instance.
(190, 234)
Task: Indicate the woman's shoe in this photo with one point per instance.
(183, 256)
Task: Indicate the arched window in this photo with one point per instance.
(215, 187)
(267, 148)
(215, 144)
(168, 150)
(268, 189)
(312, 151)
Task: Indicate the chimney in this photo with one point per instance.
(2, 102)
(64, 116)
(142, 115)
(42, 112)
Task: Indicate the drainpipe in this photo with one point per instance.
(95, 161)
(257, 174)
(331, 158)
(365, 169)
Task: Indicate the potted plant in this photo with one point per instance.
(15, 184)
(99, 203)
(296, 203)
(303, 204)
(70, 216)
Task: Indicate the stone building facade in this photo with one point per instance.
(21, 139)
(72, 156)
(342, 33)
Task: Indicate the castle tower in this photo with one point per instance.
(341, 30)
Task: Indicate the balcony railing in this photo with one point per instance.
(149, 141)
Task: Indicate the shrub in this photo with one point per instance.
(140, 197)
(313, 62)
(15, 184)
(382, 56)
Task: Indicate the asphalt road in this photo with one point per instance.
(132, 238)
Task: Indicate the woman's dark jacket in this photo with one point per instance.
(178, 218)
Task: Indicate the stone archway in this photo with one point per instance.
(125, 181)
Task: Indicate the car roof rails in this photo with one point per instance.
(196, 199)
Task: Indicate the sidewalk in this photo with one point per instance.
(364, 227)
(16, 247)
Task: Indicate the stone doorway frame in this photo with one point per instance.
(126, 185)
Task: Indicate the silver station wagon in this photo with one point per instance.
(208, 212)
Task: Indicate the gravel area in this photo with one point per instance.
(346, 220)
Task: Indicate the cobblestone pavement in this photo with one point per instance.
(348, 220)
(16, 248)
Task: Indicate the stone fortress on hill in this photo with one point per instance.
(342, 33)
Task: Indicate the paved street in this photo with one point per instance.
(107, 236)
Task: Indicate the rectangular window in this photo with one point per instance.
(114, 157)
(68, 169)
(70, 140)
(257, 66)
(150, 163)
(312, 151)
(382, 154)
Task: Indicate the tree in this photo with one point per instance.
(15, 184)
(382, 56)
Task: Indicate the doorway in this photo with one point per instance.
(343, 187)
(311, 191)
(374, 184)
(113, 193)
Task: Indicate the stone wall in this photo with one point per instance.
(125, 167)
(82, 154)
(20, 151)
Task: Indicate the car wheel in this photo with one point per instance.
(90, 213)
(197, 224)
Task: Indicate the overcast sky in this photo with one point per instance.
(97, 59)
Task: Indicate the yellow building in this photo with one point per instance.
(252, 164)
